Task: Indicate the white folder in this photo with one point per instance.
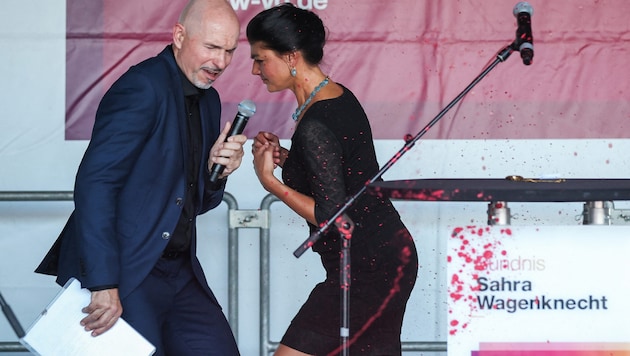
(57, 332)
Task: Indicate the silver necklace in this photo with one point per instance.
(296, 114)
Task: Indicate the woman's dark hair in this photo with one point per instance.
(285, 28)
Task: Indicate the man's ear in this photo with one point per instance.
(179, 32)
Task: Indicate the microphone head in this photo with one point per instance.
(521, 7)
(247, 108)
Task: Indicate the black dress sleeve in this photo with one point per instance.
(323, 161)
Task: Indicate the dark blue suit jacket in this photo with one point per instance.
(130, 185)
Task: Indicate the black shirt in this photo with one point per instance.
(182, 235)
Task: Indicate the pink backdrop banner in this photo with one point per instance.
(405, 60)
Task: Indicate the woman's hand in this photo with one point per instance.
(267, 155)
(279, 153)
(264, 162)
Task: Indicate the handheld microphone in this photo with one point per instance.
(524, 43)
(246, 109)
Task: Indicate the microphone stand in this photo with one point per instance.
(308, 243)
(345, 226)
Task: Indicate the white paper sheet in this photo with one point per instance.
(57, 330)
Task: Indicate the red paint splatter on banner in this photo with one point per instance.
(470, 257)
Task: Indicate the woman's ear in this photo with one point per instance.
(291, 58)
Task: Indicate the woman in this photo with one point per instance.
(331, 157)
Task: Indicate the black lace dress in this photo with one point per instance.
(331, 157)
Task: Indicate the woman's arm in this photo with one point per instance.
(264, 164)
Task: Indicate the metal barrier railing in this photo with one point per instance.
(267, 345)
(236, 219)
(29, 196)
(229, 199)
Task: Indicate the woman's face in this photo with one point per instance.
(272, 68)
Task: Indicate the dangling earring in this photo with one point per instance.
(293, 72)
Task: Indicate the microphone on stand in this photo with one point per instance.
(246, 109)
(524, 43)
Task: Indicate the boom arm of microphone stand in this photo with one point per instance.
(308, 243)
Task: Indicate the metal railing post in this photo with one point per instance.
(266, 345)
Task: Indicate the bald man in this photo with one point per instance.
(144, 179)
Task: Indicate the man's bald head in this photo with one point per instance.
(198, 12)
(205, 39)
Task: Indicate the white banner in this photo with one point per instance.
(539, 290)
